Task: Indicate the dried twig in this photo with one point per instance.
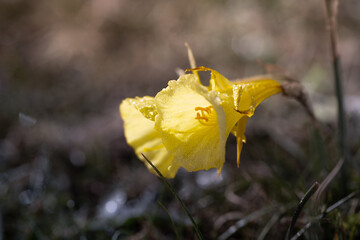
(294, 89)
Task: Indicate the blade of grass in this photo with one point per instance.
(302, 231)
(116, 235)
(341, 201)
(172, 221)
(340, 226)
(269, 225)
(331, 11)
(328, 179)
(241, 223)
(300, 206)
(172, 190)
(327, 211)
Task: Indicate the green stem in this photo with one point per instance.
(340, 102)
(331, 10)
(300, 206)
(172, 190)
(172, 221)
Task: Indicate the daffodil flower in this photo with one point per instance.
(187, 124)
(194, 123)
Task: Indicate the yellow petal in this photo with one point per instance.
(217, 81)
(145, 105)
(240, 136)
(250, 92)
(194, 123)
(137, 114)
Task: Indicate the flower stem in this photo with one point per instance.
(331, 10)
(172, 190)
(341, 110)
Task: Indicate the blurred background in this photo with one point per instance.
(66, 171)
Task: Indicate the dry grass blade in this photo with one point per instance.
(191, 56)
(268, 226)
(341, 201)
(227, 217)
(241, 223)
(327, 211)
(328, 179)
(302, 231)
